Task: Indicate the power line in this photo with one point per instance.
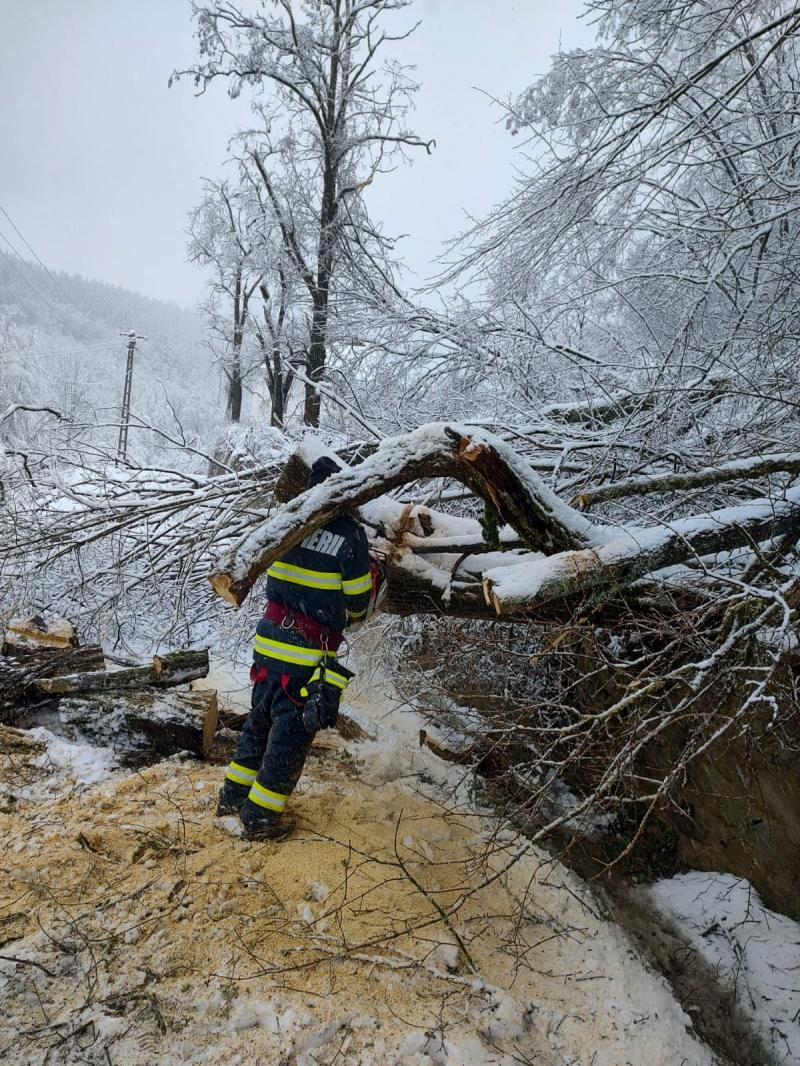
(57, 284)
(20, 262)
(19, 273)
(38, 292)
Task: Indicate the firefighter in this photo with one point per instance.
(327, 582)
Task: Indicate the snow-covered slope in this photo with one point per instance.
(400, 925)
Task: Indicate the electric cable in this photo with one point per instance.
(57, 284)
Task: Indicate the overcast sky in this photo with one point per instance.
(101, 160)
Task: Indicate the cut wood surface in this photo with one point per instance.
(165, 671)
(39, 632)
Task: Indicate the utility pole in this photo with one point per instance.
(125, 413)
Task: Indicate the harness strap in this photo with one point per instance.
(306, 626)
(285, 679)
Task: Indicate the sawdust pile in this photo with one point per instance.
(389, 929)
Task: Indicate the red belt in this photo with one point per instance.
(307, 627)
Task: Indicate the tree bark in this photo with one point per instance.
(170, 721)
(164, 672)
(737, 470)
(22, 666)
(487, 465)
(530, 587)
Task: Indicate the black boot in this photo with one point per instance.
(231, 798)
(262, 824)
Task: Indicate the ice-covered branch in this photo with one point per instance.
(484, 463)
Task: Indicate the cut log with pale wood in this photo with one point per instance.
(484, 463)
(161, 723)
(22, 666)
(39, 632)
(177, 721)
(165, 671)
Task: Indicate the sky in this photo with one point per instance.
(101, 161)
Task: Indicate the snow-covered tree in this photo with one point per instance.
(329, 119)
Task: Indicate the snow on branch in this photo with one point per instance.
(753, 467)
(481, 461)
(637, 552)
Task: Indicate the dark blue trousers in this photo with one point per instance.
(272, 747)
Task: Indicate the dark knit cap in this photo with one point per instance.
(321, 470)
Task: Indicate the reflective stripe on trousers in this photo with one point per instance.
(273, 744)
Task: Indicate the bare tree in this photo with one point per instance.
(221, 237)
(330, 120)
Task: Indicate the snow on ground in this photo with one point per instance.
(754, 951)
(399, 926)
(65, 764)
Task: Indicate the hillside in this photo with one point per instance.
(60, 346)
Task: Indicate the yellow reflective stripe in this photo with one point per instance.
(355, 615)
(338, 680)
(240, 774)
(355, 585)
(331, 678)
(288, 653)
(273, 801)
(300, 575)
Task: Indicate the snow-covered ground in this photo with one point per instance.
(400, 925)
(754, 952)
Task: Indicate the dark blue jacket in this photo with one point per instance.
(326, 577)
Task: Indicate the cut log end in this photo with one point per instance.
(222, 584)
(489, 596)
(36, 632)
(210, 723)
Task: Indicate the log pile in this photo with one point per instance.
(135, 709)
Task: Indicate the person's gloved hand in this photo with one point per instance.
(322, 693)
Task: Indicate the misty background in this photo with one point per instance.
(102, 161)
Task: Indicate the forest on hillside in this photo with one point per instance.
(576, 449)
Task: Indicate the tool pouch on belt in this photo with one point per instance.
(322, 693)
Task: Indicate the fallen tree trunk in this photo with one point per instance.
(165, 671)
(754, 467)
(22, 666)
(160, 723)
(528, 587)
(482, 462)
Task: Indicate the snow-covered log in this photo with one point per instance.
(22, 666)
(160, 722)
(528, 587)
(165, 671)
(748, 469)
(39, 632)
(485, 464)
